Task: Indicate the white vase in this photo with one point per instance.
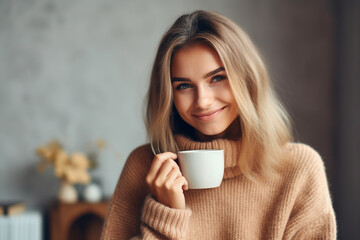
(92, 193)
(67, 193)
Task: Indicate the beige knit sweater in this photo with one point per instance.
(293, 204)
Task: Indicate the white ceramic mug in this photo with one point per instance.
(202, 168)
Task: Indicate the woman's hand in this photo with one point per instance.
(166, 181)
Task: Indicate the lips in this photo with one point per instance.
(208, 115)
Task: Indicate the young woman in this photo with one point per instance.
(209, 89)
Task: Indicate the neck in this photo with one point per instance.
(233, 132)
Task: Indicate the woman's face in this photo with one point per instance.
(202, 95)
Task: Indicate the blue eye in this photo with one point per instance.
(218, 78)
(183, 86)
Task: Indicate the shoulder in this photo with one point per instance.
(304, 169)
(303, 157)
(138, 161)
(306, 182)
(141, 151)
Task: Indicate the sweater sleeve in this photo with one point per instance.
(133, 214)
(160, 220)
(312, 216)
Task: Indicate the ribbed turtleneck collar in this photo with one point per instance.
(231, 151)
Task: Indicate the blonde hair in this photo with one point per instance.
(265, 125)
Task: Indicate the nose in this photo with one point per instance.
(204, 96)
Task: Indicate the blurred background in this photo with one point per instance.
(77, 71)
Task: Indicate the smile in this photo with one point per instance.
(208, 115)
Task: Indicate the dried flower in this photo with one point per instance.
(71, 169)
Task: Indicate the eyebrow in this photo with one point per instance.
(209, 74)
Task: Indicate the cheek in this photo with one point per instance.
(226, 95)
(182, 103)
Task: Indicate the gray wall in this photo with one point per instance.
(78, 71)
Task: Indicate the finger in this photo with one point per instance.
(186, 185)
(174, 174)
(165, 170)
(158, 161)
(181, 183)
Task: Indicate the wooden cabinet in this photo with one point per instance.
(80, 220)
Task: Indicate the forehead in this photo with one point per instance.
(194, 60)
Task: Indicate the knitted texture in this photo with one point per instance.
(294, 203)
